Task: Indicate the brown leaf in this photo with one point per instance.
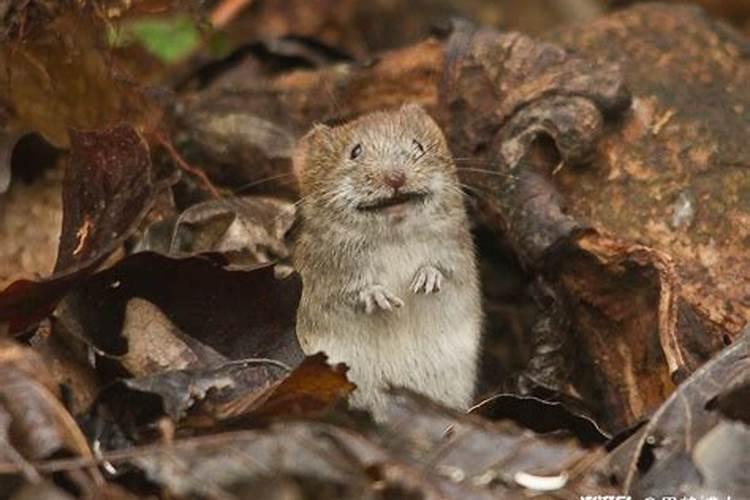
(312, 387)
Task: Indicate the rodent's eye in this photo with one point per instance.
(418, 147)
(356, 152)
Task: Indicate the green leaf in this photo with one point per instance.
(169, 39)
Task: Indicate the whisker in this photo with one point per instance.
(487, 197)
(489, 172)
(258, 182)
(474, 158)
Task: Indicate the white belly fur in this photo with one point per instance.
(429, 345)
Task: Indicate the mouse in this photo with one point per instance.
(390, 284)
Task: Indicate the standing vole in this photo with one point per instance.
(390, 283)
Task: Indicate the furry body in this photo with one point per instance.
(389, 288)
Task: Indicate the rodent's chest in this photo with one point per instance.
(394, 266)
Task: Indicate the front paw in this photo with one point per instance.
(376, 297)
(428, 279)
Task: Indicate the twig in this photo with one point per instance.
(177, 157)
(259, 361)
(65, 464)
(226, 11)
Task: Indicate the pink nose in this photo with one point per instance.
(395, 178)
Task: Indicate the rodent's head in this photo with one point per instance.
(383, 168)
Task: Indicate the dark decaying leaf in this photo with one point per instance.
(108, 189)
(675, 453)
(317, 460)
(238, 313)
(262, 59)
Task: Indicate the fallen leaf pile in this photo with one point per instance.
(147, 202)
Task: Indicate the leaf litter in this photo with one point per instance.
(159, 357)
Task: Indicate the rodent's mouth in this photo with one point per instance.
(392, 201)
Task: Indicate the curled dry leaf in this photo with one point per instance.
(248, 230)
(621, 301)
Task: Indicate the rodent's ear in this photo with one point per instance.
(316, 138)
(418, 117)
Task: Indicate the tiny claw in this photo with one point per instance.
(378, 297)
(427, 280)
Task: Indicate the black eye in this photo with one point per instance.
(418, 146)
(356, 151)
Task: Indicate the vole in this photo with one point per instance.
(388, 267)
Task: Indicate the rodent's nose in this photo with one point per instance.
(395, 178)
